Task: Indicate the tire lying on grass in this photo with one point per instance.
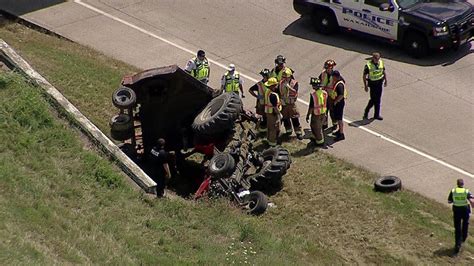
(388, 184)
(222, 165)
(257, 202)
(121, 127)
(219, 115)
(276, 161)
(124, 98)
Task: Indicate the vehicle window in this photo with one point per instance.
(376, 3)
(408, 3)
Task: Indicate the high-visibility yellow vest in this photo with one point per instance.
(261, 92)
(327, 82)
(460, 196)
(273, 74)
(202, 69)
(319, 100)
(374, 72)
(333, 92)
(287, 91)
(268, 103)
(232, 82)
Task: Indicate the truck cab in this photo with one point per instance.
(418, 25)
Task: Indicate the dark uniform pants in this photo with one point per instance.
(375, 97)
(330, 111)
(461, 224)
(273, 128)
(262, 124)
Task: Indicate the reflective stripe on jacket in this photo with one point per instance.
(287, 91)
(261, 92)
(333, 93)
(202, 69)
(327, 82)
(268, 103)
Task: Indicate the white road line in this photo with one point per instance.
(149, 33)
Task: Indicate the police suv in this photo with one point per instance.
(418, 25)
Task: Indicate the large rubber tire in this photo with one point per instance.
(416, 45)
(124, 98)
(325, 22)
(222, 165)
(121, 127)
(257, 202)
(276, 161)
(219, 115)
(388, 184)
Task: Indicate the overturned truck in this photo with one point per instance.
(168, 103)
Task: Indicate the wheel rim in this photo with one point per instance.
(414, 45)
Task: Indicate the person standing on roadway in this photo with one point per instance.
(327, 81)
(288, 88)
(280, 68)
(461, 199)
(258, 91)
(198, 67)
(231, 81)
(272, 111)
(374, 77)
(338, 97)
(317, 109)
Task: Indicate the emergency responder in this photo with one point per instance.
(198, 67)
(160, 159)
(317, 109)
(461, 199)
(288, 89)
(272, 111)
(327, 81)
(338, 98)
(374, 77)
(280, 68)
(258, 91)
(231, 81)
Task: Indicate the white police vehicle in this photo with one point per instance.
(418, 25)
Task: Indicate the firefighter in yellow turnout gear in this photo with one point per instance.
(288, 88)
(272, 111)
(317, 109)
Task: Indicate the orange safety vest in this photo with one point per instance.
(333, 93)
(261, 92)
(288, 94)
(319, 100)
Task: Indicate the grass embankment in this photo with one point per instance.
(60, 202)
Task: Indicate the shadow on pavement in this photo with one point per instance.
(21, 7)
(362, 122)
(303, 28)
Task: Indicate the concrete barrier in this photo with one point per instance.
(76, 117)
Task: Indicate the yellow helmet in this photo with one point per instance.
(287, 73)
(271, 82)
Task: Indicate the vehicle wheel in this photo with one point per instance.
(387, 184)
(121, 127)
(325, 22)
(124, 98)
(276, 162)
(221, 165)
(257, 202)
(219, 115)
(416, 45)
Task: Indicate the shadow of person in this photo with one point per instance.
(303, 28)
(445, 252)
(362, 122)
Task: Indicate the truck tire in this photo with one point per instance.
(121, 127)
(124, 98)
(257, 202)
(276, 162)
(387, 184)
(415, 44)
(325, 22)
(219, 115)
(222, 165)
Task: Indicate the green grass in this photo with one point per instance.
(60, 202)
